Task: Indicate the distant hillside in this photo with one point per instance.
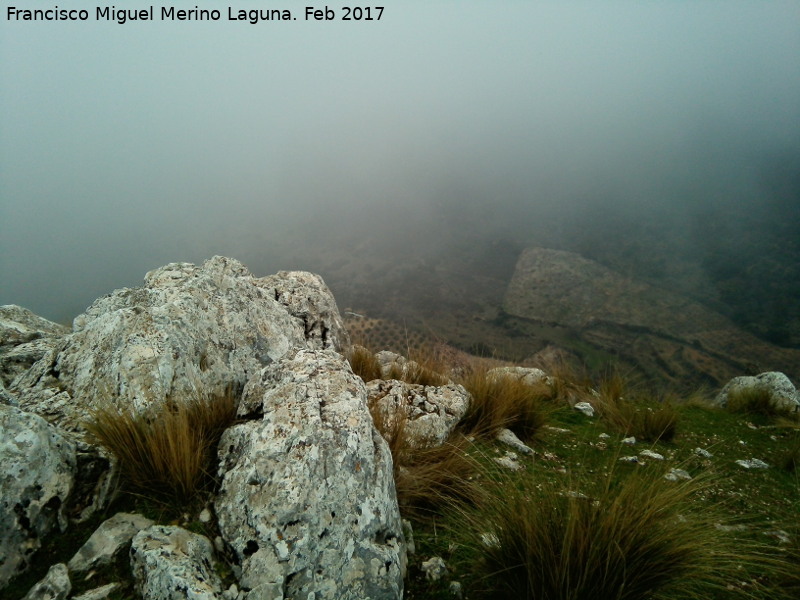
(663, 333)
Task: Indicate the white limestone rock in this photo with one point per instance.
(651, 454)
(528, 376)
(585, 408)
(783, 392)
(311, 303)
(37, 475)
(753, 463)
(171, 563)
(55, 585)
(677, 475)
(99, 593)
(431, 412)
(434, 568)
(509, 438)
(307, 500)
(107, 541)
(188, 330)
(24, 338)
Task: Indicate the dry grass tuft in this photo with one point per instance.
(364, 363)
(425, 366)
(427, 480)
(167, 456)
(617, 406)
(638, 539)
(503, 402)
(756, 401)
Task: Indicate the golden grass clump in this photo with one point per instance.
(637, 539)
(364, 363)
(166, 455)
(503, 402)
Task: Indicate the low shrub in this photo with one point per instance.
(166, 455)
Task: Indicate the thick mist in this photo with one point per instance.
(657, 137)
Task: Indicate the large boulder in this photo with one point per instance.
(780, 388)
(307, 501)
(188, 328)
(24, 339)
(428, 413)
(37, 475)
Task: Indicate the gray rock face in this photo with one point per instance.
(55, 585)
(24, 339)
(783, 392)
(187, 329)
(308, 300)
(38, 471)
(171, 563)
(108, 541)
(431, 412)
(307, 501)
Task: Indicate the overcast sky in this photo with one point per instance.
(125, 147)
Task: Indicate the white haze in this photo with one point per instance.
(123, 148)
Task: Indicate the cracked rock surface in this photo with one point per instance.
(307, 500)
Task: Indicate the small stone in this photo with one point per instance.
(703, 453)
(585, 408)
(408, 534)
(651, 454)
(434, 568)
(509, 438)
(629, 459)
(509, 461)
(677, 475)
(780, 535)
(205, 516)
(604, 436)
(456, 589)
(753, 463)
(629, 441)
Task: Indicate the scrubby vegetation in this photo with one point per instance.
(757, 401)
(169, 457)
(626, 537)
(585, 517)
(503, 402)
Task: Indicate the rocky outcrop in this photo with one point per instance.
(38, 473)
(188, 329)
(108, 541)
(664, 335)
(781, 390)
(429, 413)
(24, 339)
(307, 500)
(171, 563)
